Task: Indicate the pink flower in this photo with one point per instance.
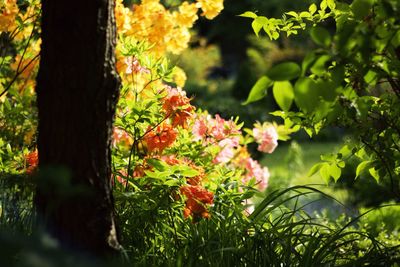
(199, 129)
(211, 130)
(120, 136)
(133, 65)
(254, 170)
(266, 136)
(218, 128)
(227, 152)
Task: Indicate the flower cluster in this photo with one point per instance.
(226, 134)
(9, 11)
(32, 162)
(210, 8)
(160, 137)
(166, 30)
(266, 136)
(133, 66)
(217, 131)
(177, 106)
(253, 170)
(160, 141)
(197, 198)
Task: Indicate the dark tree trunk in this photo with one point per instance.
(77, 90)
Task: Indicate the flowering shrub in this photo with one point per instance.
(160, 141)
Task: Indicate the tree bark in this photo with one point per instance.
(77, 90)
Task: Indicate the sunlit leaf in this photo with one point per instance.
(362, 166)
(284, 71)
(259, 90)
(283, 94)
(248, 14)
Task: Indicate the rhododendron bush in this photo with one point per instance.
(163, 146)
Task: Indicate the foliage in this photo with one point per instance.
(350, 80)
(183, 179)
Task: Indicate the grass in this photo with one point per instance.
(289, 166)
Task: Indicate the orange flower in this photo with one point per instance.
(32, 161)
(197, 198)
(170, 159)
(177, 106)
(160, 138)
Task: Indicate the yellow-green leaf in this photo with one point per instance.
(335, 171)
(259, 90)
(312, 9)
(362, 166)
(374, 173)
(248, 14)
(283, 94)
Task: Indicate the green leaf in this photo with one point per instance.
(335, 171)
(325, 172)
(259, 90)
(374, 173)
(362, 166)
(319, 67)
(331, 4)
(292, 13)
(256, 27)
(283, 94)
(306, 94)
(188, 171)
(284, 71)
(361, 8)
(157, 174)
(314, 169)
(248, 14)
(320, 36)
(345, 151)
(158, 164)
(172, 182)
(305, 14)
(307, 61)
(258, 23)
(8, 148)
(323, 5)
(396, 39)
(312, 9)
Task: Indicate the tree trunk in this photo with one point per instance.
(77, 90)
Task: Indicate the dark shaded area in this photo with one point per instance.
(77, 90)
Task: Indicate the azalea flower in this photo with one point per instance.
(227, 152)
(199, 129)
(197, 198)
(213, 129)
(32, 160)
(133, 66)
(266, 136)
(160, 138)
(254, 170)
(211, 8)
(177, 106)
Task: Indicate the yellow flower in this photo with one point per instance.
(122, 17)
(8, 12)
(179, 76)
(187, 15)
(211, 8)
